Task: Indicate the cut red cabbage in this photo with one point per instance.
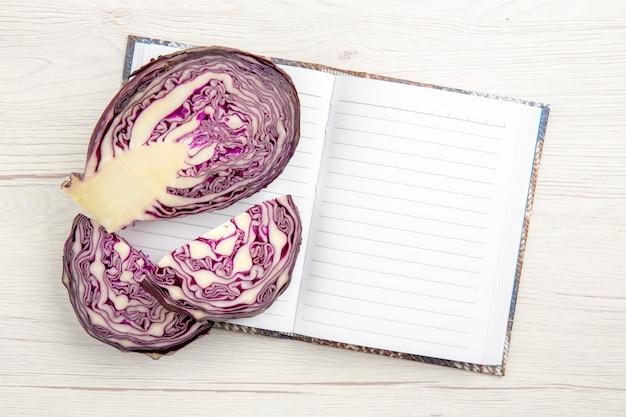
(236, 270)
(103, 276)
(193, 131)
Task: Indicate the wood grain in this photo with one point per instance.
(61, 64)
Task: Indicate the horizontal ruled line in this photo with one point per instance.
(413, 170)
(473, 226)
(399, 244)
(383, 334)
(414, 155)
(443, 129)
(403, 291)
(441, 313)
(300, 93)
(408, 200)
(417, 140)
(299, 166)
(291, 180)
(265, 313)
(448, 268)
(270, 192)
(295, 196)
(403, 229)
(434, 281)
(447, 116)
(410, 185)
(388, 320)
(307, 120)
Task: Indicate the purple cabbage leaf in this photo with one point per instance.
(237, 269)
(192, 131)
(103, 275)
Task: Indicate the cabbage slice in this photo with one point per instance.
(237, 269)
(192, 131)
(103, 275)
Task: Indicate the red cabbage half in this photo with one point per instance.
(103, 276)
(193, 131)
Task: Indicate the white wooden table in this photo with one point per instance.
(61, 63)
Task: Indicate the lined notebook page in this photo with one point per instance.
(417, 221)
(299, 179)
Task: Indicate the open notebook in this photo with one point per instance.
(415, 203)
